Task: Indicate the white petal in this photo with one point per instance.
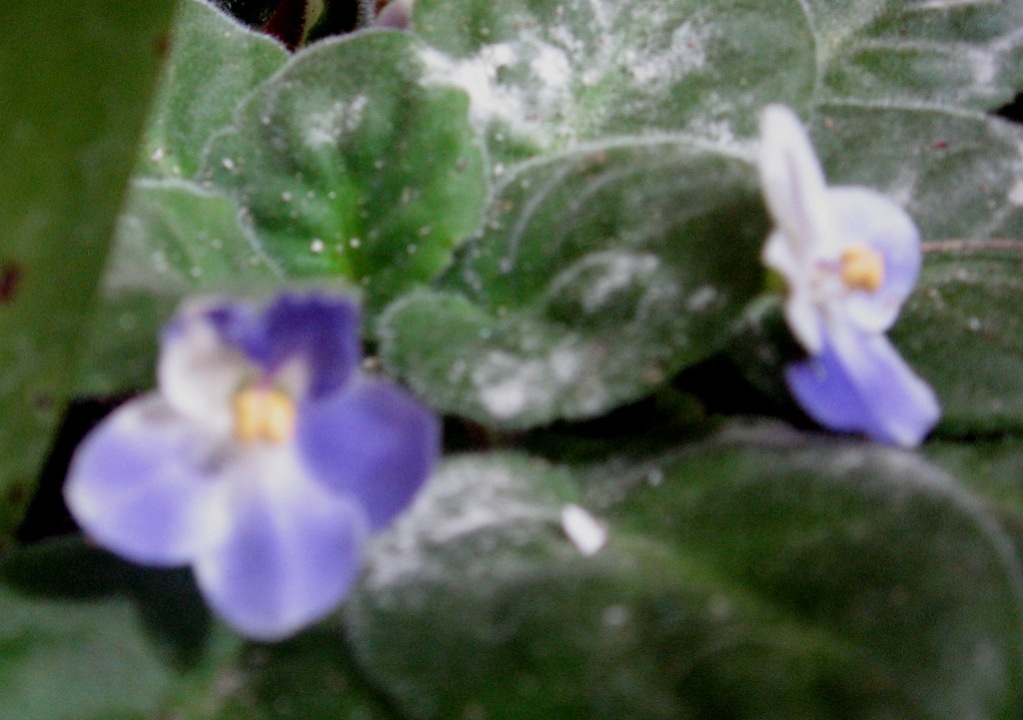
(199, 372)
(804, 319)
(777, 254)
(794, 186)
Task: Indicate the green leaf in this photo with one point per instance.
(962, 331)
(885, 557)
(173, 239)
(964, 54)
(75, 83)
(544, 75)
(598, 274)
(88, 637)
(991, 468)
(213, 62)
(351, 166)
(441, 587)
(312, 677)
(756, 575)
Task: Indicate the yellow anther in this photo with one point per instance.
(264, 414)
(862, 268)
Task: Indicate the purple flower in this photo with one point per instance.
(263, 460)
(850, 257)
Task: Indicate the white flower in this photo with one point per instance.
(850, 257)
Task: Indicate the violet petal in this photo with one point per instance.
(373, 442)
(859, 383)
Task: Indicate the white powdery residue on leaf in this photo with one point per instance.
(455, 506)
(565, 364)
(575, 48)
(469, 506)
(1016, 192)
(588, 535)
(983, 66)
(903, 188)
(922, 5)
(716, 127)
(326, 127)
(602, 14)
(509, 385)
(685, 54)
(478, 77)
(525, 107)
(551, 66)
(702, 299)
(721, 132)
(600, 278)
(591, 64)
(506, 382)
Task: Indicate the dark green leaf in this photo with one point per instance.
(311, 677)
(962, 330)
(438, 618)
(75, 83)
(598, 275)
(990, 467)
(889, 561)
(753, 576)
(351, 166)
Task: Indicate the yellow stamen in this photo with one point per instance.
(862, 268)
(265, 414)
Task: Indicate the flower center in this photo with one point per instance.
(862, 268)
(263, 414)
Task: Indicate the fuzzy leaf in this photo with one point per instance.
(961, 54)
(312, 677)
(756, 575)
(350, 166)
(963, 332)
(173, 239)
(921, 160)
(544, 75)
(213, 62)
(598, 275)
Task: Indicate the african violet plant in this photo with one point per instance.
(717, 301)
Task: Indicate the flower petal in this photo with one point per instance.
(290, 549)
(801, 311)
(859, 383)
(374, 442)
(868, 218)
(312, 341)
(794, 187)
(138, 482)
(203, 361)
